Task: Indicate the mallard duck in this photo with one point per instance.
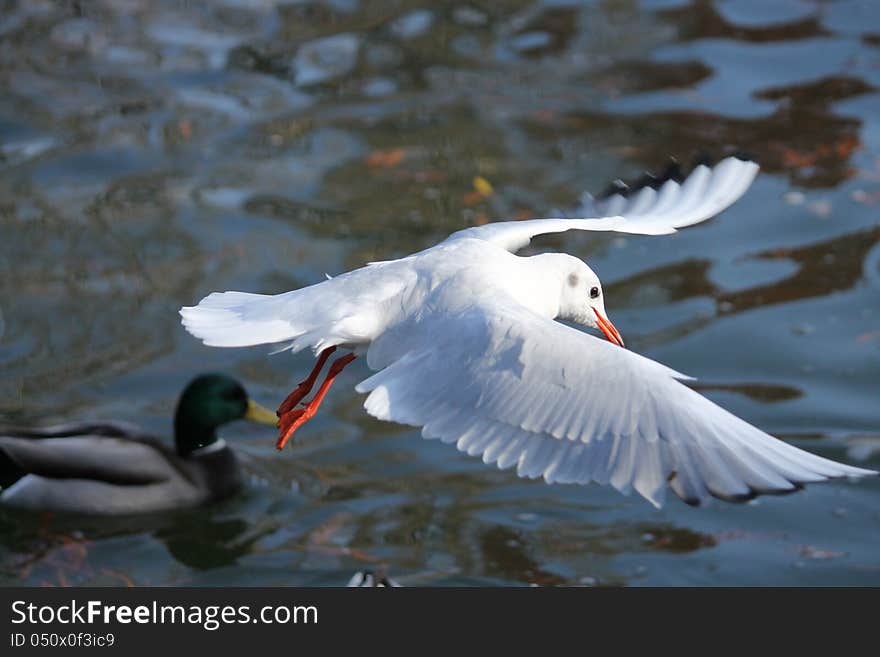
(116, 468)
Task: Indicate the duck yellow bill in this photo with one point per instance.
(608, 329)
(260, 414)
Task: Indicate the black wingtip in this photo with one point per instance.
(673, 171)
(744, 156)
(777, 492)
(615, 188)
(702, 159)
(736, 498)
(10, 470)
(619, 188)
(705, 159)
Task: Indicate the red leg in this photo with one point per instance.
(294, 419)
(305, 387)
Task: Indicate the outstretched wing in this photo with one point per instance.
(658, 207)
(520, 390)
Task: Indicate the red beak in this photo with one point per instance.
(608, 329)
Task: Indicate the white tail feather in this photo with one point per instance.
(237, 319)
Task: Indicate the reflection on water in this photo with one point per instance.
(702, 19)
(802, 138)
(151, 152)
(821, 269)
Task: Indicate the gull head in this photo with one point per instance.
(582, 300)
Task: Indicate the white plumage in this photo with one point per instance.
(464, 345)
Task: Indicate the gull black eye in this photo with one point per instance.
(594, 293)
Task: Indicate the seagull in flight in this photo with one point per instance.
(464, 343)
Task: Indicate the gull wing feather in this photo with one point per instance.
(520, 390)
(658, 208)
(341, 309)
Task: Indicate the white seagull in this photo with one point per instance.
(463, 339)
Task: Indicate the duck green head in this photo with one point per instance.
(209, 401)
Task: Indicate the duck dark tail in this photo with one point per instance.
(10, 470)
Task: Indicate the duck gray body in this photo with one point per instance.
(109, 468)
